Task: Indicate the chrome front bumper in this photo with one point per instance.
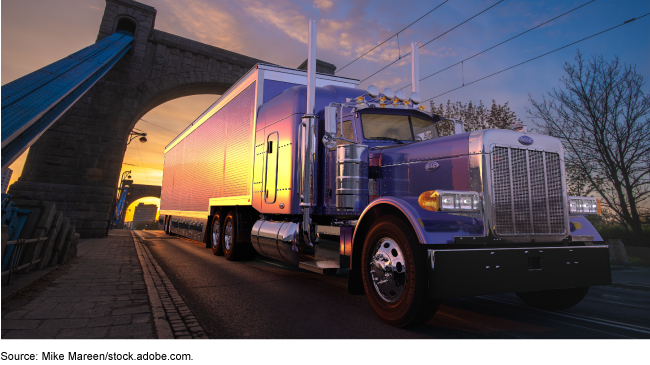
(471, 272)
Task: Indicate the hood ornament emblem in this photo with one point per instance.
(525, 140)
(431, 166)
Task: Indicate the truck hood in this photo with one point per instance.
(432, 149)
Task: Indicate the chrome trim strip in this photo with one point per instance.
(530, 193)
(512, 192)
(475, 177)
(548, 208)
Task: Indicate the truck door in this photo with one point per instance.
(271, 168)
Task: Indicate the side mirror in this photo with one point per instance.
(330, 120)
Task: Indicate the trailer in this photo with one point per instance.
(288, 157)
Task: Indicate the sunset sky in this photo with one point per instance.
(36, 33)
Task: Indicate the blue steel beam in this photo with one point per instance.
(32, 103)
(120, 205)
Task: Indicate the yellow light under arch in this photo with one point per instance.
(130, 210)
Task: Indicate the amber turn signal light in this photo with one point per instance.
(429, 200)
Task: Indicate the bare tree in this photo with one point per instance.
(600, 114)
(475, 117)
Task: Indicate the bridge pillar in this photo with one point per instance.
(77, 162)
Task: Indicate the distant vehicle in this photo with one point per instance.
(285, 156)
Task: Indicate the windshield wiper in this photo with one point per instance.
(389, 139)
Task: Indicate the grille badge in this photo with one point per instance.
(525, 140)
(431, 166)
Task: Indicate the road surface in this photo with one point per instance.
(265, 298)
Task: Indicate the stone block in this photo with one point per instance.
(48, 245)
(60, 241)
(66, 249)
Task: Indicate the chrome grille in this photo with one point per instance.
(527, 192)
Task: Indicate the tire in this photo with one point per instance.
(555, 299)
(232, 249)
(401, 298)
(215, 234)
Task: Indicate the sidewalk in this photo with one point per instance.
(99, 294)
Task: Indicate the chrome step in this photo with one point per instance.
(324, 267)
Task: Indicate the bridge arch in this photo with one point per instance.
(154, 93)
(77, 162)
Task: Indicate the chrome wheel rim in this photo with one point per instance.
(388, 270)
(215, 234)
(227, 236)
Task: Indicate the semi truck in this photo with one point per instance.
(287, 157)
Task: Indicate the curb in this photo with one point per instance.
(163, 330)
(172, 317)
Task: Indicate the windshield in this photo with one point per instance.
(397, 127)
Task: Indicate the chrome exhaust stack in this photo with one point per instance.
(308, 148)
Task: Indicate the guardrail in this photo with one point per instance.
(14, 256)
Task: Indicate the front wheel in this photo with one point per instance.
(395, 275)
(554, 299)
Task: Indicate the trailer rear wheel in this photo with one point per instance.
(394, 275)
(215, 235)
(555, 299)
(232, 249)
(168, 225)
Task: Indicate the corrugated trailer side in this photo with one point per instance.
(210, 164)
(212, 159)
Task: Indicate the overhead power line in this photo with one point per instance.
(507, 40)
(399, 59)
(131, 164)
(391, 37)
(158, 126)
(545, 54)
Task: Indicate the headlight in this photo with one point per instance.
(583, 205)
(450, 201)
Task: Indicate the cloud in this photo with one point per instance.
(206, 23)
(323, 4)
(440, 52)
(282, 17)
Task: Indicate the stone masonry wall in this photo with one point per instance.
(77, 162)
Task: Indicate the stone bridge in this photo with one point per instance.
(77, 162)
